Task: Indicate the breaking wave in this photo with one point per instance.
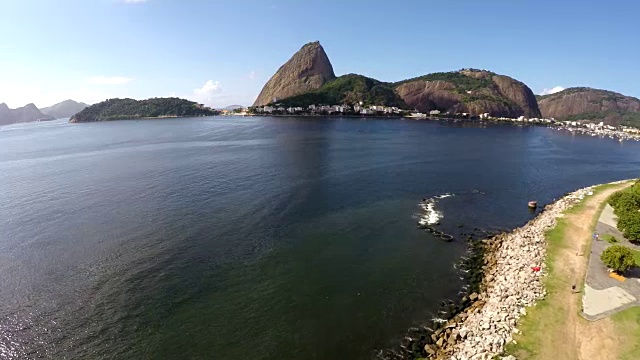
(431, 215)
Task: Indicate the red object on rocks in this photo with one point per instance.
(536, 268)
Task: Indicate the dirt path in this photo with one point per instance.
(574, 337)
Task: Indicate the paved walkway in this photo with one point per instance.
(604, 295)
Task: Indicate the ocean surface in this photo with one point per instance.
(257, 238)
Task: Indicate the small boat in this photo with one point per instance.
(533, 204)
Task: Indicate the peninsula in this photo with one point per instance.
(307, 85)
(308, 79)
(124, 109)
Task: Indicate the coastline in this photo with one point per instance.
(604, 133)
(141, 118)
(509, 283)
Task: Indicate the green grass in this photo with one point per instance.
(544, 315)
(610, 239)
(636, 256)
(580, 206)
(627, 324)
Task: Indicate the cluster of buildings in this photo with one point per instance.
(330, 109)
(621, 132)
(587, 128)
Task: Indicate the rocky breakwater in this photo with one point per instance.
(513, 270)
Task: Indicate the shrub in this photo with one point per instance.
(626, 205)
(618, 258)
(610, 239)
(629, 224)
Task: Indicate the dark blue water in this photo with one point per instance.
(255, 238)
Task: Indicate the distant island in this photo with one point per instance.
(124, 109)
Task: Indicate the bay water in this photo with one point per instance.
(257, 238)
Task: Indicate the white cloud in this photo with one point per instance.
(109, 80)
(553, 90)
(209, 94)
(209, 88)
(252, 75)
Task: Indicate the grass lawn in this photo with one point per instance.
(545, 314)
(627, 325)
(636, 255)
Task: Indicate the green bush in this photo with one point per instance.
(631, 228)
(618, 258)
(626, 205)
(610, 239)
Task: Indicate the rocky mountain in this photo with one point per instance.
(308, 78)
(65, 109)
(306, 71)
(583, 103)
(121, 109)
(23, 114)
(469, 91)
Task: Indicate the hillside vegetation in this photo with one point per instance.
(462, 82)
(120, 109)
(349, 89)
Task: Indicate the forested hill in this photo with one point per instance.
(121, 109)
(349, 89)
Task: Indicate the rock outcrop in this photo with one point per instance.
(23, 114)
(306, 71)
(469, 91)
(582, 103)
(65, 109)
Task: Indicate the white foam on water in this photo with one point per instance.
(439, 320)
(431, 215)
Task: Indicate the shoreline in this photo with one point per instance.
(505, 268)
(603, 133)
(142, 118)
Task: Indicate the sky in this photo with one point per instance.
(222, 52)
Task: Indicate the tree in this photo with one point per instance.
(618, 258)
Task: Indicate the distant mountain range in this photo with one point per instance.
(65, 109)
(307, 78)
(30, 112)
(23, 114)
(231, 107)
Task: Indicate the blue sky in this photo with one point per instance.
(222, 52)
